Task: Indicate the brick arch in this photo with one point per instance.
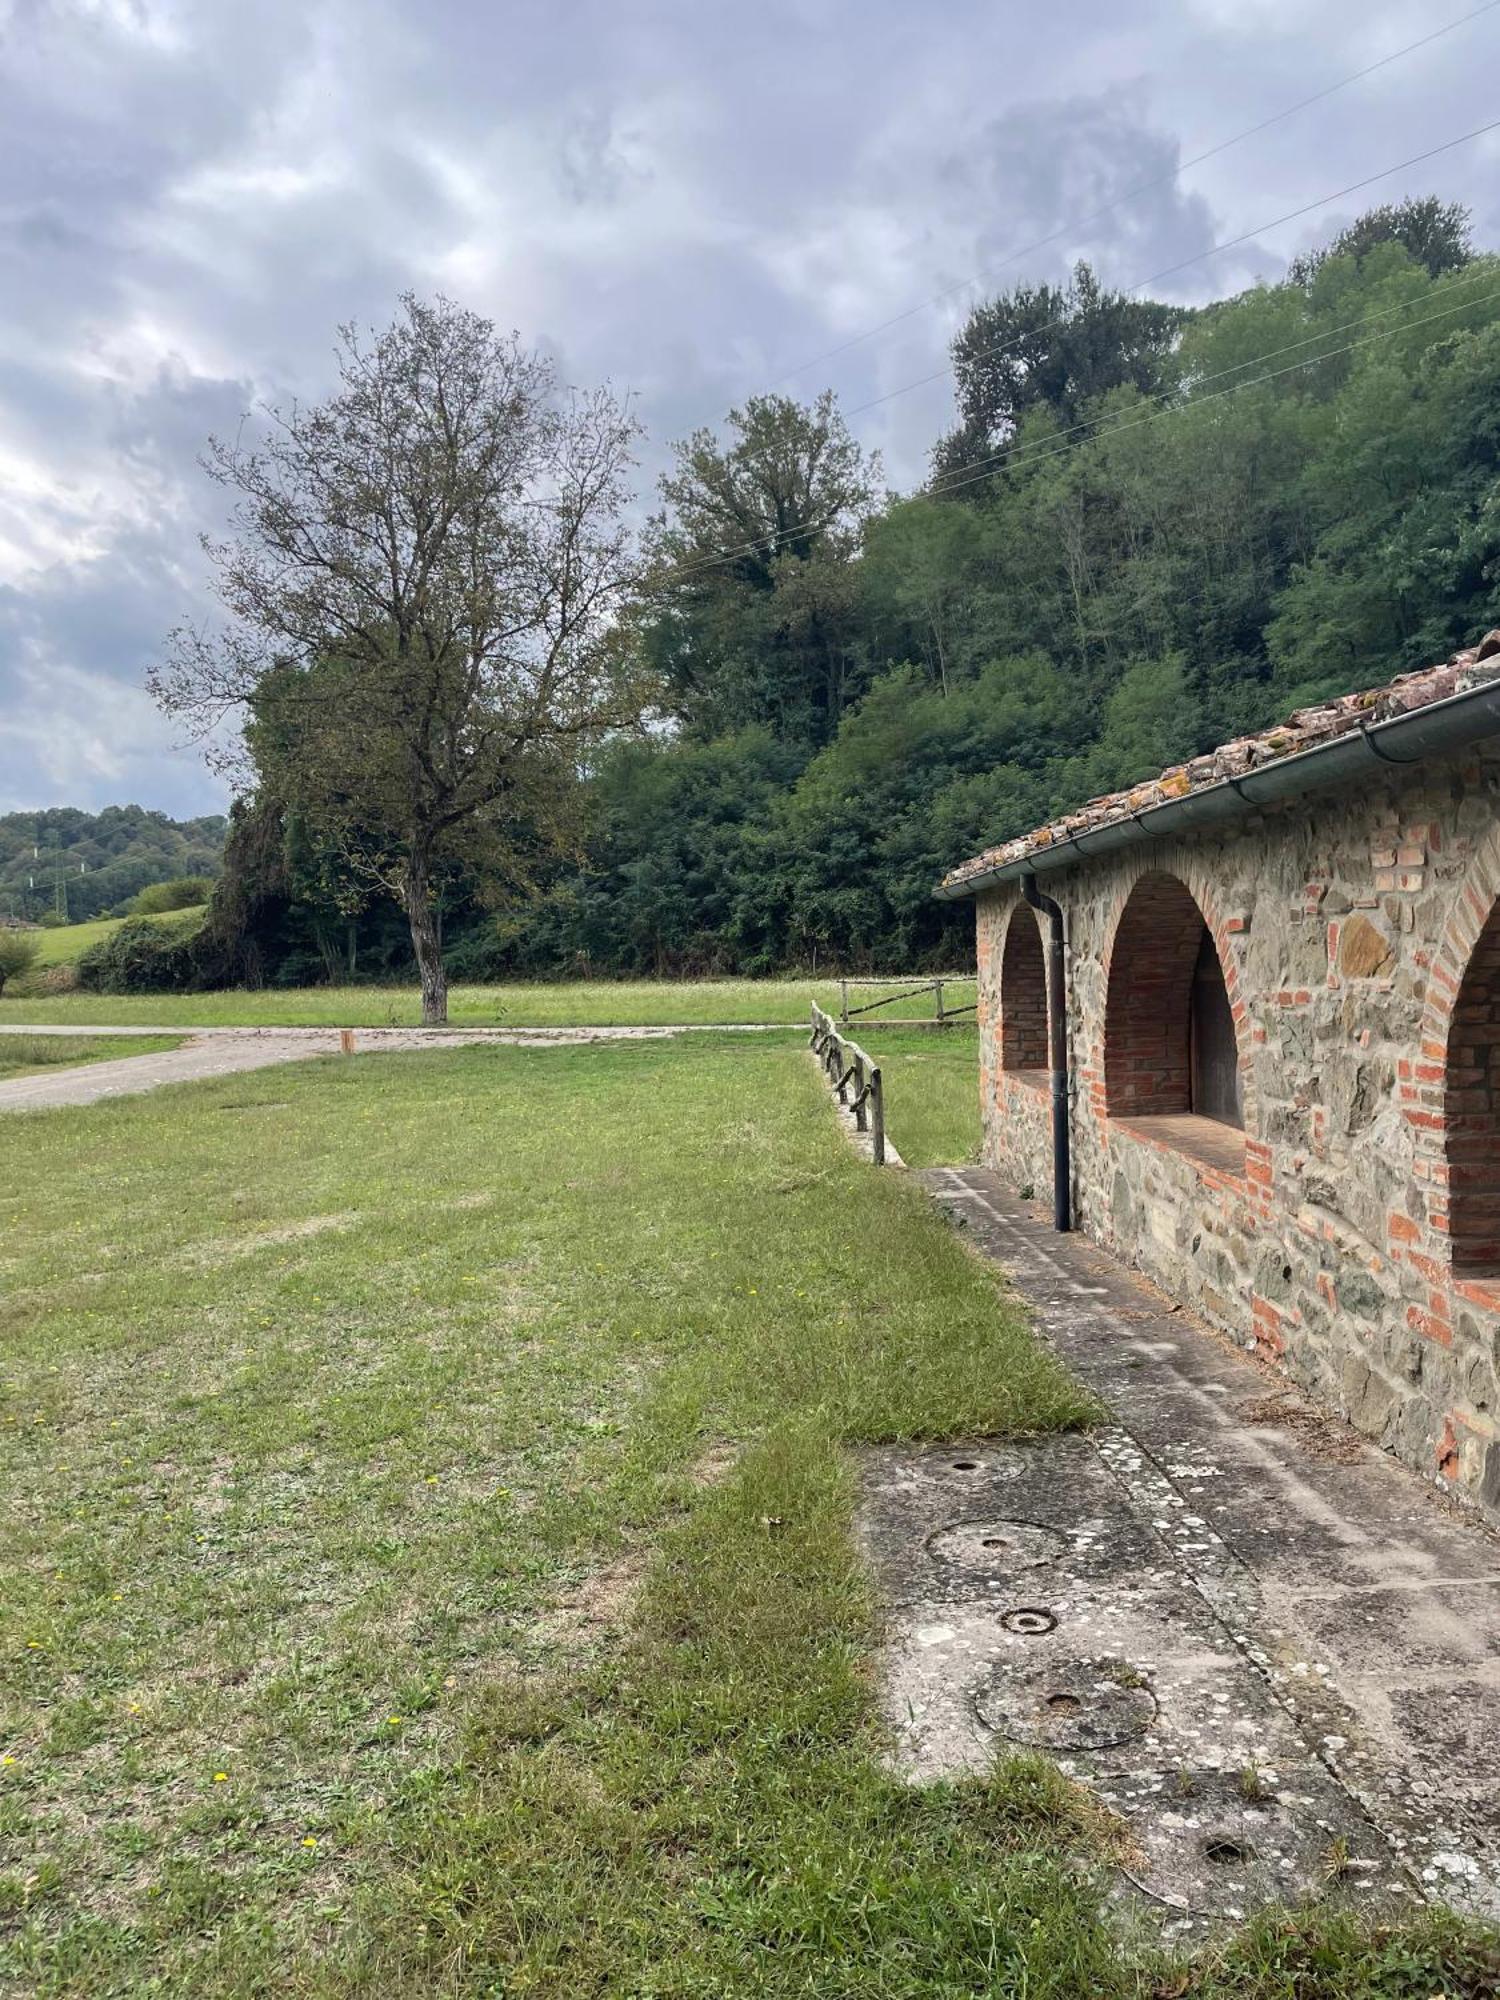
(1023, 993)
(1472, 904)
(1154, 946)
(1471, 1110)
(1461, 1033)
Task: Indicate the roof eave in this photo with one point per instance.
(1430, 731)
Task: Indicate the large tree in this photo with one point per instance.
(751, 589)
(1432, 232)
(1049, 347)
(422, 582)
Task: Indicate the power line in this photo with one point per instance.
(1214, 250)
(1198, 402)
(1049, 447)
(1141, 187)
(1464, 138)
(1009, 455)
(1052, 447)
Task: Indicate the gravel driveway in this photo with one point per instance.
(226, 1051)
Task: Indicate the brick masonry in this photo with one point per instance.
(1353, 1233)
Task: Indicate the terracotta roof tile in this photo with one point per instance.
(1340, 716)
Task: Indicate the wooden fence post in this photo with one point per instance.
(845, 1062)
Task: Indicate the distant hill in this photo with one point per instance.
(88, 864)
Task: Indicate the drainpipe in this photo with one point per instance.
(1057, 1039)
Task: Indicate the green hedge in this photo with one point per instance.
(140, 957)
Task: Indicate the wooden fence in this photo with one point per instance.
(855, 1080)
(944, 1015)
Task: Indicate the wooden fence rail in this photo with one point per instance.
(944, 1014)
(855, 1080)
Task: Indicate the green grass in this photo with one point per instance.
(67, 943)
(599, 1003)
(428, 1565)
(23, 1055)
(931, 1084)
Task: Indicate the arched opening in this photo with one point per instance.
(1170, 1048)
(1471, 1124)
(1023, 996)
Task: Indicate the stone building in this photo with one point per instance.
(1273, 1025)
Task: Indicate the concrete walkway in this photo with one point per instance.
(209, 1052)
(1349, 1611)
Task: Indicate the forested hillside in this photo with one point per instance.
(84, 865)
(1149, 529)
(1149, 532)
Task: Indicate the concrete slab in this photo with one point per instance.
(1227, 1583)
(1031, 1604)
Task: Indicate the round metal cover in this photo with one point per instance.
(996, 1548)
(1066, 1704)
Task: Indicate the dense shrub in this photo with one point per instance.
(18, 953)
(185, 893)
(140, 957)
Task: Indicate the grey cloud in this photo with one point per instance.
(687, 200)
(1034, 170)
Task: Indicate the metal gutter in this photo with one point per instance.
(1440, 726)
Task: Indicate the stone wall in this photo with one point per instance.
(1353, 1231)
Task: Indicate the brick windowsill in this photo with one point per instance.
(1039, 1080)
(1217, 1150)
(1481, 1292)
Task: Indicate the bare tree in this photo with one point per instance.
(422, 583)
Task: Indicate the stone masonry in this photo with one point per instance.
(1352, 1230)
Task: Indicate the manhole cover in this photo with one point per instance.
(996, 1548)
(1067, 1704)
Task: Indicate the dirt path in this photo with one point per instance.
(212, 1052)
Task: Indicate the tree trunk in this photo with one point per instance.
(426, 943)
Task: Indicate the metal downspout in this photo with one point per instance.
(1057, 1044)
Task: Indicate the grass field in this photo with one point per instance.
(428, 1564)
(66, 944)
(599, 1003)
(23, 1055)
(931, 1084)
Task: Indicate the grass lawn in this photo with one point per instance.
(67, 943)
(428, 1563)
(931, 1083)
(22, 1055)
(599, 1003)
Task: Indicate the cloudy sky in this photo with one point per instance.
(692, 199)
